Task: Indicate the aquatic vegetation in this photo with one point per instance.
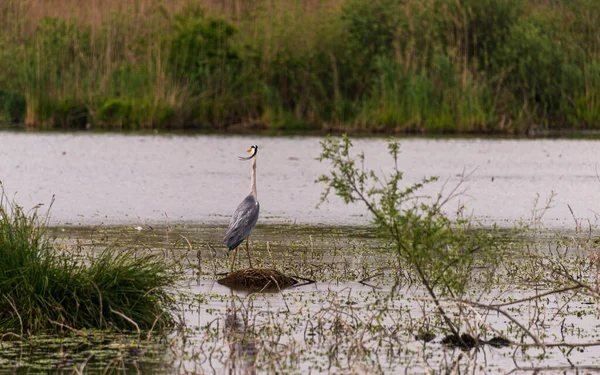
(96, 352)
(348, 320)
(445, 255)
(339, 326)
(44, 287)
(440, 66)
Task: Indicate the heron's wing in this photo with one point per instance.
(243, 220)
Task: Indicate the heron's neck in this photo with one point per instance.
(253, 180)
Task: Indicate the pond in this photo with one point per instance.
(130, 179)
(345, 322)
(173, 195)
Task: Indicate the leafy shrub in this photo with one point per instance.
(438, 100)
(130, 80)
(370, 33)
(54, 53)
(166, 116)
(586, 105)
(200, 47)
(438, 249)
(537, 65)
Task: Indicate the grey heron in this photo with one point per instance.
(245, 216)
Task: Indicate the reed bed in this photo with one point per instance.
(437, 66)
(44, 288)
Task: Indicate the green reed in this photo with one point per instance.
(44, 287)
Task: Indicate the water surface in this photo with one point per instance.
(346, 322)
(154, 179)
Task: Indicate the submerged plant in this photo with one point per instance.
(42, 287)
(438, 249)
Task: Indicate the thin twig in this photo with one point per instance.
(130, 321)
(501, 311)
(557, 369)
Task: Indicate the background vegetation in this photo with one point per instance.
(359, 65)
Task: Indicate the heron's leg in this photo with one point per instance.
(248, 251)
(233, 261)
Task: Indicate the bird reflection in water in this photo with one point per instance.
(241, 340)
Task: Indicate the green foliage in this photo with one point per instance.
(370, 33)
(371, 26)
(440, 250)
(12, 106)
(129, 80)
(386, 65)
(44, 288)
(201, 47)
(54, 53)
(536, 64)
(439, 101)
(477, 28)
(117, 112)
(71, 115)
(165, 116)
(586, 106)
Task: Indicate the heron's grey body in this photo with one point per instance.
(245, 216)
(243, 220)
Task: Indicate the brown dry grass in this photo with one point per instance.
(89, 11)
(93, 12)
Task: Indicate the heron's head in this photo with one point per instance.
(253, 149)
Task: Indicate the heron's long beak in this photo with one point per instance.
(249, 157)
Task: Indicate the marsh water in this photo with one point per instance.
(173, 195)
(130, 179)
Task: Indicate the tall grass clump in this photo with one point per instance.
(462, 66)
(44, 288)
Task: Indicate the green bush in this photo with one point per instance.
(54, 54)
(535, 65)
(439, 100)
(370, 30)
(166, 117)
(479, 28)
(130, 80)
(586, 106)
(201, 48)
(438, 250)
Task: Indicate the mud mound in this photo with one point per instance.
(259, 279)
(467, 341)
